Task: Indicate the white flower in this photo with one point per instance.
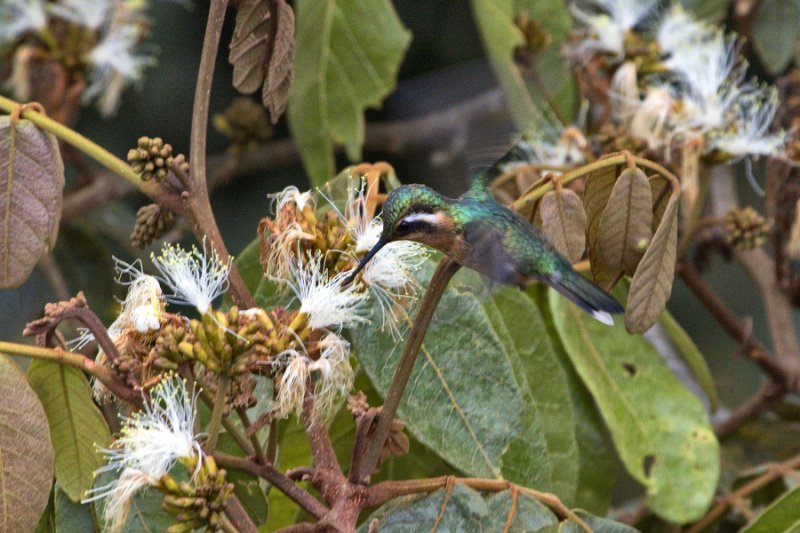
(142, 306)
(292, 194)
(21, 16)
(334, 373)
(610, 26)
(651, 120)
(367, 235)
(116, 64)
(390, 278)
(87, 13)
(196, 278)
(748, 133)
(292, 386)
(326, 302)
(704, 61)
(152, 441)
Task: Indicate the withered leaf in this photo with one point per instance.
(262, 52)
(652, 282)
(564, 222)
(660, 190)
(26, 452)
(595, 198)
(625, 225)
(31, 185)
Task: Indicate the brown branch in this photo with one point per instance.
(328, 476)
(773, 472)
(441, 277)
(770, 394)
(386, 490)
(102, 373)
(238, 516)
(276, 479)
(779, 369)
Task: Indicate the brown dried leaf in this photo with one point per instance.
(275, 92)
(262, 52)
(564, 223)
(652, 282)
(625, 225)
(595, 198)
(660, 190)
(26, 454)
(31, 185)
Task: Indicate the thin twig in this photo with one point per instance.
(257, 449)
(386, 490)
(102, 373)
(278, 480)
(223, 383)
(773, 472)
(238, 516)
(441, 277)
(770, 394)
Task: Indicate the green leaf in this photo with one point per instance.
(348, 54)
(76, 425)
(248, 263)
(71, 516)
(782, 515)
(659, 428)
(47, 522)
(596, 464)
(26, 455)
(775, 33)
(501, 36)
(544, 384)
(464, 509)
(692, 356)
(293, 451)
(463, 399)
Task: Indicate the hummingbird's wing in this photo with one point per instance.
(488, 253)
(520, 153)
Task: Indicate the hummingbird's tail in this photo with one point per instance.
(585, 295)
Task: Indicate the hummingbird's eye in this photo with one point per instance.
(403, 227)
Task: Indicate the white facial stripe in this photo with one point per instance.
(428, 218)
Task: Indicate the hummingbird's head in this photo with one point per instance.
(412, 213)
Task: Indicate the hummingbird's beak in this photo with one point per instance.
(375, 249)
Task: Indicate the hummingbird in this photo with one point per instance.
(478, 232)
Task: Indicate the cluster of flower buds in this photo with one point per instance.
(245, 123)
(746, 228)
(152, 221)
(223, 342)
(153, 159)
(199, 503)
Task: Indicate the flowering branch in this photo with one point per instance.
(773, 472)
(441, 277)
(271, 474)
(223, 383)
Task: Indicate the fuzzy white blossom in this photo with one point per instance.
(18, 17)
(292, 194)
(116, 63)
(651, 121)
(292, 385)
(609, 21)
(151, 442)
(749, 132)
(326, 301)
(334, 373)
(195, 278)
(140, 312)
